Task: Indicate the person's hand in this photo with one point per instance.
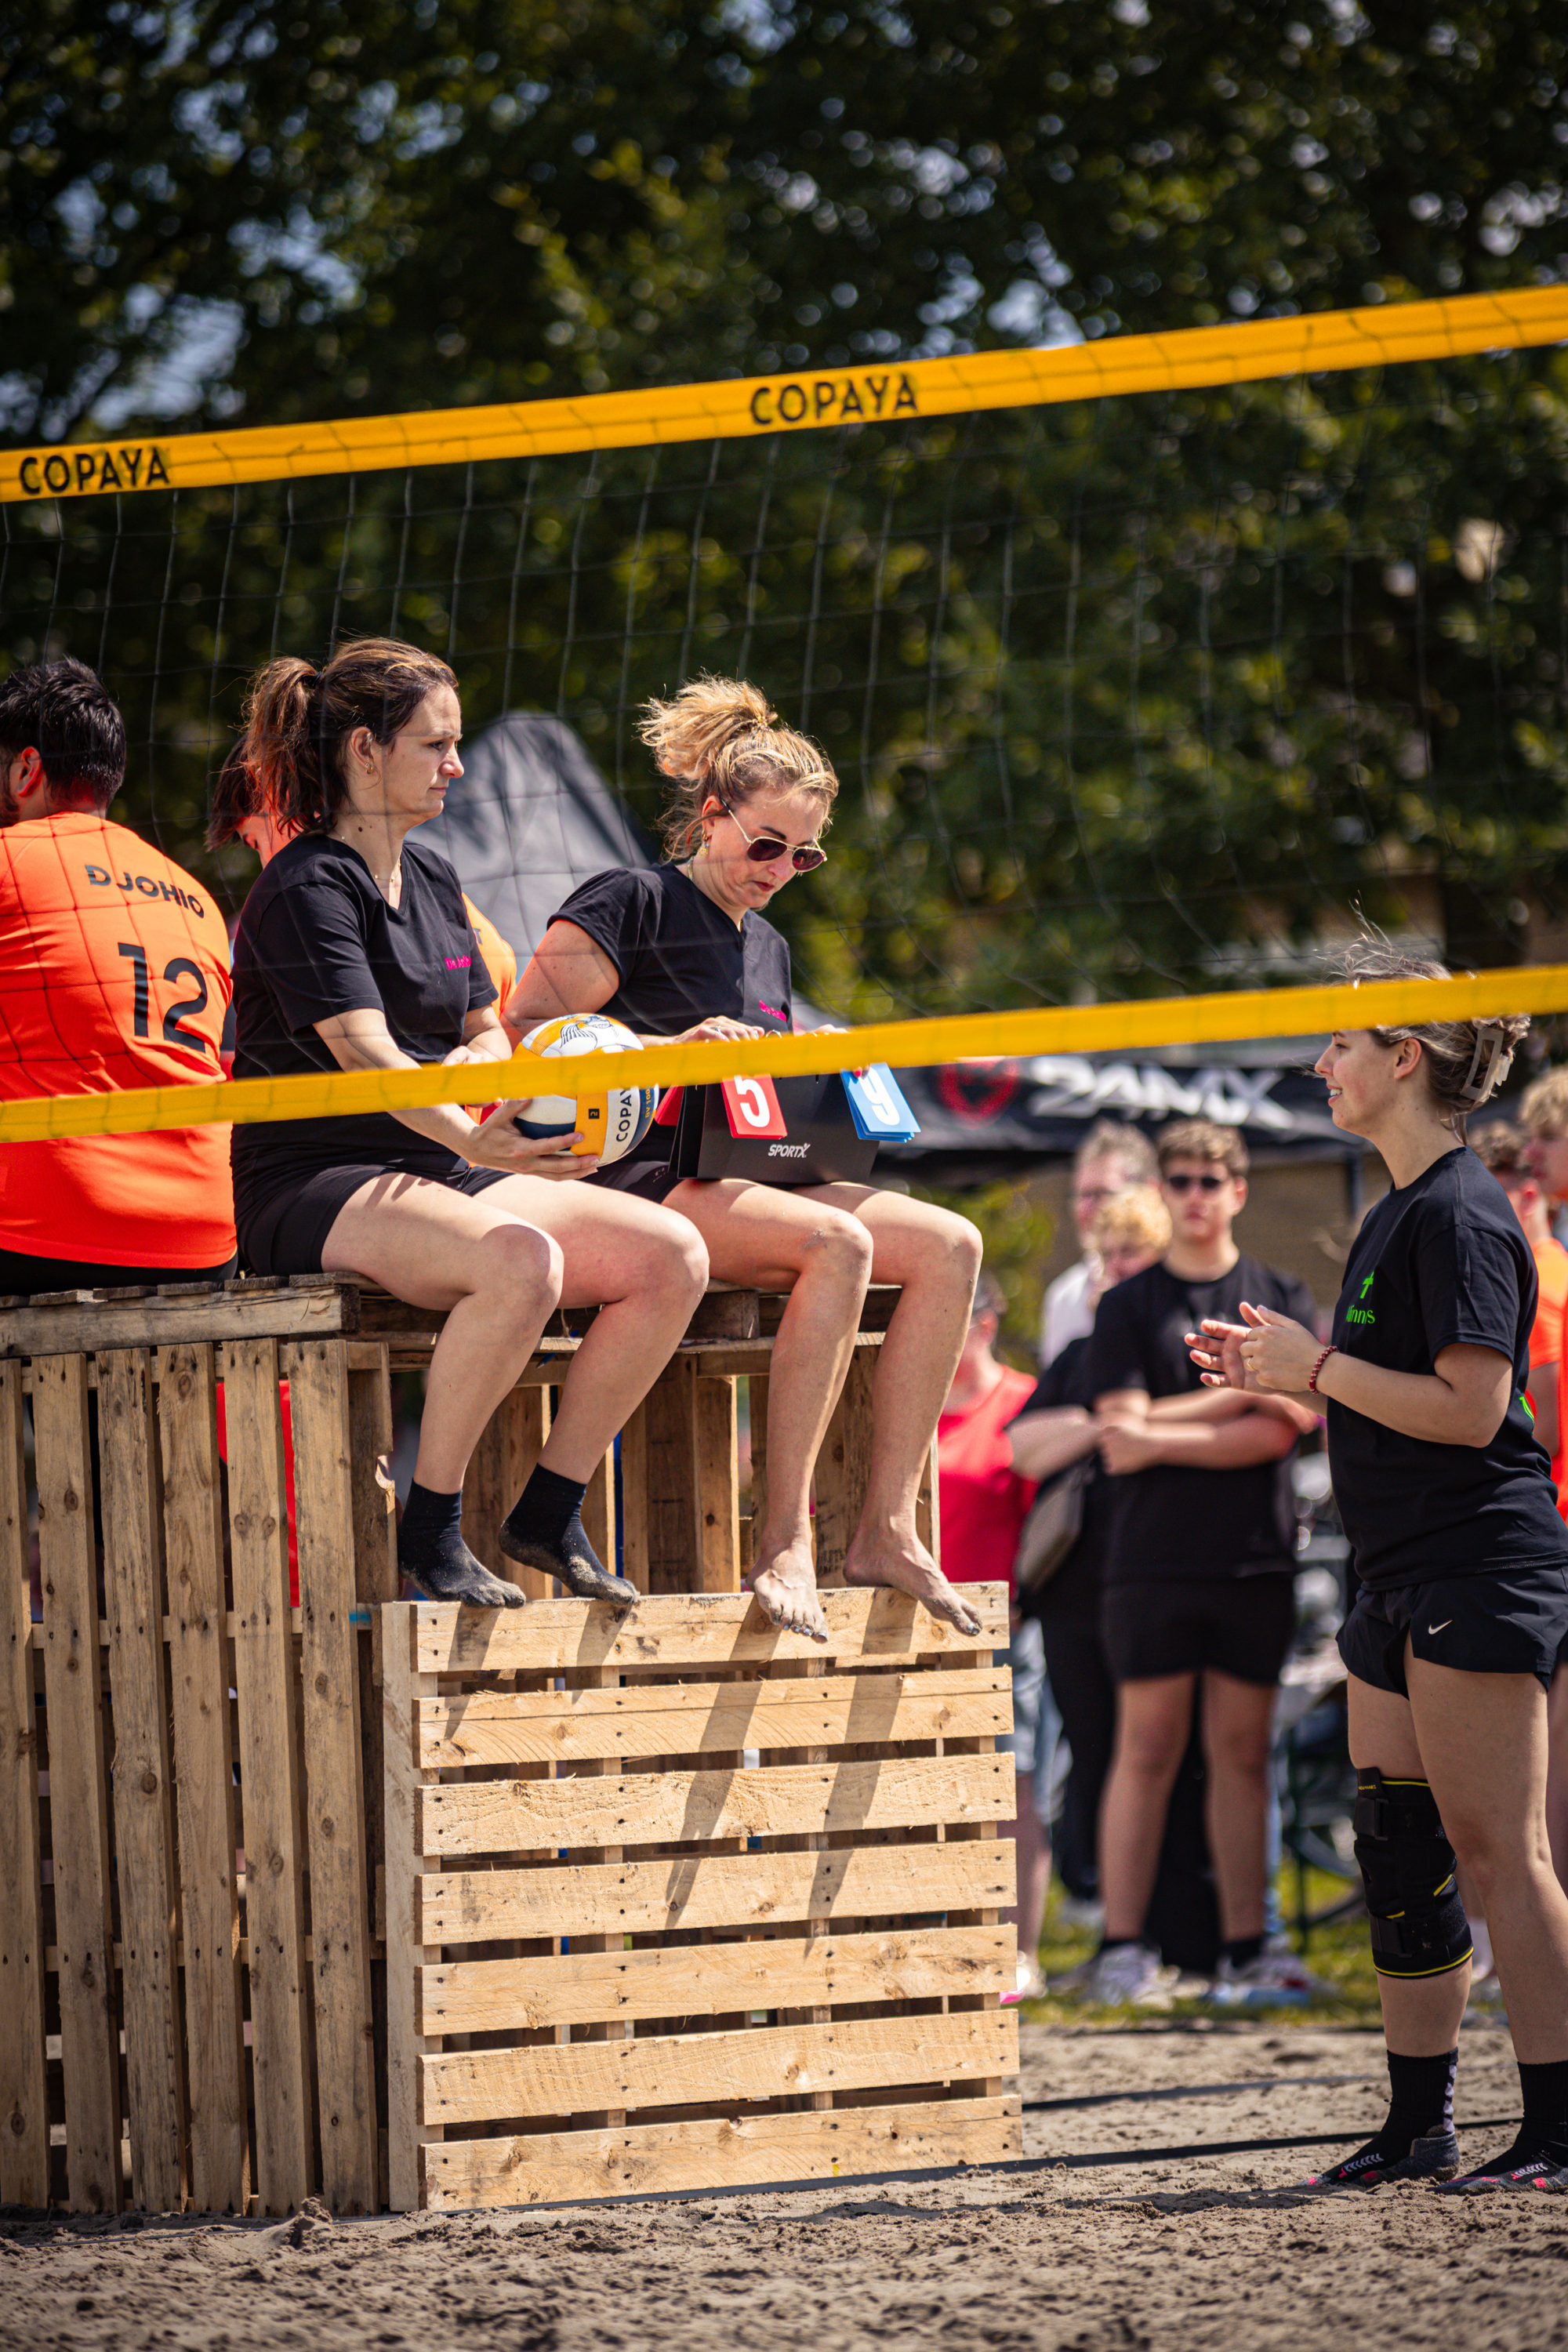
(1278, 1354)
(1126, 1446)
(719, 1030)
(497, 1144)
(1216, 1352)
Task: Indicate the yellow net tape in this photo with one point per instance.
(1076, 1029)
(1322, 341)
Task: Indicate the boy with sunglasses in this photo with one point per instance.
(1198, 1580)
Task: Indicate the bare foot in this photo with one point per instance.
(786, 1590)
(904, 1565)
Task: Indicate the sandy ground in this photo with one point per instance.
(1158, 2254)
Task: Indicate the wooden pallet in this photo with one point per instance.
(187, 1848)
(674, 1901)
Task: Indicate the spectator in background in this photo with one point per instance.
(984, 1502)
(114, 975)
(1200, 1599)
(1110, 1157)
(1057, 1428)
(1532, 1169)
(1505, 1150)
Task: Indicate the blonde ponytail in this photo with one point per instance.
(718, 736)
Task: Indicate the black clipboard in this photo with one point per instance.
(823, 1146)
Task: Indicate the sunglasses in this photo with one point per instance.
(1185, 1184)
(765, 848)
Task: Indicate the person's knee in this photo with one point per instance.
(961, 1244)
(1149, 1750)
(523, 1266)
(838, 1246)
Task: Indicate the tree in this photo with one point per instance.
(1124, 697)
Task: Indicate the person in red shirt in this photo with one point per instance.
(984, 1502)
(1505, 1149)
(113, 975)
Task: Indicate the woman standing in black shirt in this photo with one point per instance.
(1446, 1494)
(355, 953)
(683, 951)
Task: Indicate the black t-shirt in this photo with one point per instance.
(680, 960)
(1175, 1521)
(679, 957)
(1074, 1590)
(317, 938)
(1440, 1262)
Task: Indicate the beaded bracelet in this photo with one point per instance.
(1317, 1368)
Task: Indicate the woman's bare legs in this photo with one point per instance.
(1237, 1719)
(1153, 1721)
(788, 1240)
(1557, 1772)
(934, 1259)
(500, 1261)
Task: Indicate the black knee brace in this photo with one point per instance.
(1418, 1924)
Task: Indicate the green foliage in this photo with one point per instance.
(1126, 697)
(1017, 1235)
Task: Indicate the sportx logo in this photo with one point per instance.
(788, 1150)
(1360, 1312)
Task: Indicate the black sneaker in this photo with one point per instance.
(1516, 2168)
(1435, 2158)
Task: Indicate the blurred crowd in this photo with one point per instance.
(1152, 1533)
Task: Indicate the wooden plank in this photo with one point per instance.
(674, 1548)
(334, 1797)
(648, 1719)
(690, 1629)
(374, 1496)
(633, 1500)
(723, 2152)
(692, 1891)
(691, 1981)
(401, 1689)
(599, 1509)
(927, 1526)
(78, 1786)
(672, 2070)
(717, 1484)
(143, 1809)
(779, 1801)
(157, 1322)
(204, 1778)
(23, 2114)
(724, 1312)
(589, 1950)
(844, 1469)
(265, 1676)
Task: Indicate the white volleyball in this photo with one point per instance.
(610, 1120)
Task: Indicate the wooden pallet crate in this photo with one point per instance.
(189, 1809)
(676, 1901)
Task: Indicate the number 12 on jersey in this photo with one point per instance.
(878, 1106)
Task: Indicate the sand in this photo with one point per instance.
(1158, 2254)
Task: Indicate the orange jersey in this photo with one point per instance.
(500, 962)
(1547, 1332)
(113, 975)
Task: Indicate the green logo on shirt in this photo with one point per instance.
(1361, 1312)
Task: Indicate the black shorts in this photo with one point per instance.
(1512, 1623)
(1239, 1626)
(287, 1232)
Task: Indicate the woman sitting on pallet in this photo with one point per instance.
(355, 953)
(683, 951)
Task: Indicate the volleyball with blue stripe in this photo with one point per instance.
(613, 1120)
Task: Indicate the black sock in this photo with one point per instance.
(1242, 1951)
(1421, 2100)
(430, 1524)
(1115, 1944)
(548, 1511)
(543, 1529)
(1544, 2091)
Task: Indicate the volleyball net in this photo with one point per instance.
(1145, 665)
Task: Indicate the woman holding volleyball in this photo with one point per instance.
(355, 953)
(683, 950)
(1446, 1495)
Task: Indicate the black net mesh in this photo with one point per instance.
(1125, 698)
